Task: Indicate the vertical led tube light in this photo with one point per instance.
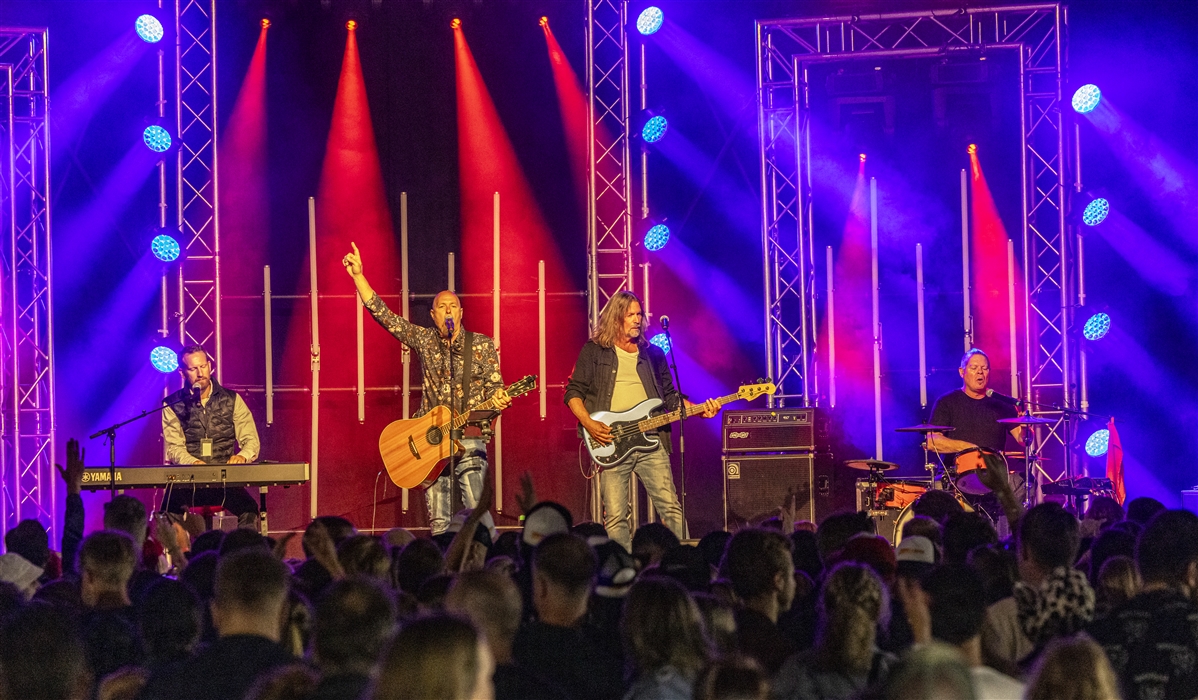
(1011, 313)
(873, 248)
(541, 337)
(923, 344)
(404, 294)
(831, 331)
(269, 344)
(495, 328)
(313, 296)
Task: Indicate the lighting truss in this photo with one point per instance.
(27, 479)
(609, 185)
(199, 315)
(784, 47)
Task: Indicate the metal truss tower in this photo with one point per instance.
(27, 478)
(198, 315)
(786, 47)
(609, 183)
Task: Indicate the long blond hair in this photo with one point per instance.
(610, 326)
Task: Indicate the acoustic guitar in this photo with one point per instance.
(415, 451)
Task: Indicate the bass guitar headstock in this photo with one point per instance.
(748, 392)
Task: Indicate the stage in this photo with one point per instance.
(839, 198)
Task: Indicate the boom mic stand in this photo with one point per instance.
(110, 433)
(665, 327)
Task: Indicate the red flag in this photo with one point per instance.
(1114, 462)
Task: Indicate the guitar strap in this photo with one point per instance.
(467, 369)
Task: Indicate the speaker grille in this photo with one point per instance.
(756, 486)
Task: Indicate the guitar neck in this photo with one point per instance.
(676, 415)
(463, 418)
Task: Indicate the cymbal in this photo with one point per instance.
(926, 428)
(1026, 420)
(870, 465)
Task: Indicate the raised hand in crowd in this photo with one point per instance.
(165, 533)
(320, 543)
(73, 474)
(457, 557)
(528, 494)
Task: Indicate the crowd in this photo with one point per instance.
(1091, 609)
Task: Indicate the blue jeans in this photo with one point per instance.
(470, 467)
(653, 469)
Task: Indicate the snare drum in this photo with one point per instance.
(967, 465)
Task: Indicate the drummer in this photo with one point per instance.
(973, 411)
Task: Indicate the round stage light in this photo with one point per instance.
(157, 139)
(649, 20)
(351, 25)
(1096, 211)
(861, 156)
(165, 248)
(164, 359)
(544, 21)
(973, 149)
(1086, 99)
(265, 23)
(654, 129)
(1096, 444)
(149, 29)
(455, 23)
(657, 237)
(662, 341)
(1097, 326)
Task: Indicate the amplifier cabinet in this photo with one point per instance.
(777, 430)
(756, 486)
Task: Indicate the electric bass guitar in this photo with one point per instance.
(628, 428)
(415, 451)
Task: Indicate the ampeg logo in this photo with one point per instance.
(739, 434)
(734, 470)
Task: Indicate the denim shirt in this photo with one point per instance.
(594, 378)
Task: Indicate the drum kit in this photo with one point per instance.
(892, 499)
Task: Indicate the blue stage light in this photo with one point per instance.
(165, 248)
(1096, 211)
(164, 359)
(1097, 326)
(1086, 99)
(1096, 444)
(657, 237)
(649, 20)
(662, 341)
(149, 29)
(654, 129)
(157, 139)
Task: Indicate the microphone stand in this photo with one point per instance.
(110, 432)
(1067, 414)
(665, 327)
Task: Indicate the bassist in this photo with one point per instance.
(445, 351)
(616, 370)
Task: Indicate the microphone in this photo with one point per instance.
(1009, 400)
(449, 326)
(664, 322)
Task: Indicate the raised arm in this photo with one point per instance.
(404, 331)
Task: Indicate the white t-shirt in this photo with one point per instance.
(629, 390)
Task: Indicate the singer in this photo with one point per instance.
(973, 410)
(205, 423)
(461, 370)
(616, 370)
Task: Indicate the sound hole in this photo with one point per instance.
(433, 436)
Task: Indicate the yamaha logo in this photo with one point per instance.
(734, 470)
(739, 434)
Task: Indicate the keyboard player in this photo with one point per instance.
(205, 423)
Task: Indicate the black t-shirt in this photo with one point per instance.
(1152, 643)
(975, 420)
(569, 659)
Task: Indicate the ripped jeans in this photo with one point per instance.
(470, 467)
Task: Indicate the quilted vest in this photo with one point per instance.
(213, 421)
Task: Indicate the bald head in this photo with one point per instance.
(447, 305)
